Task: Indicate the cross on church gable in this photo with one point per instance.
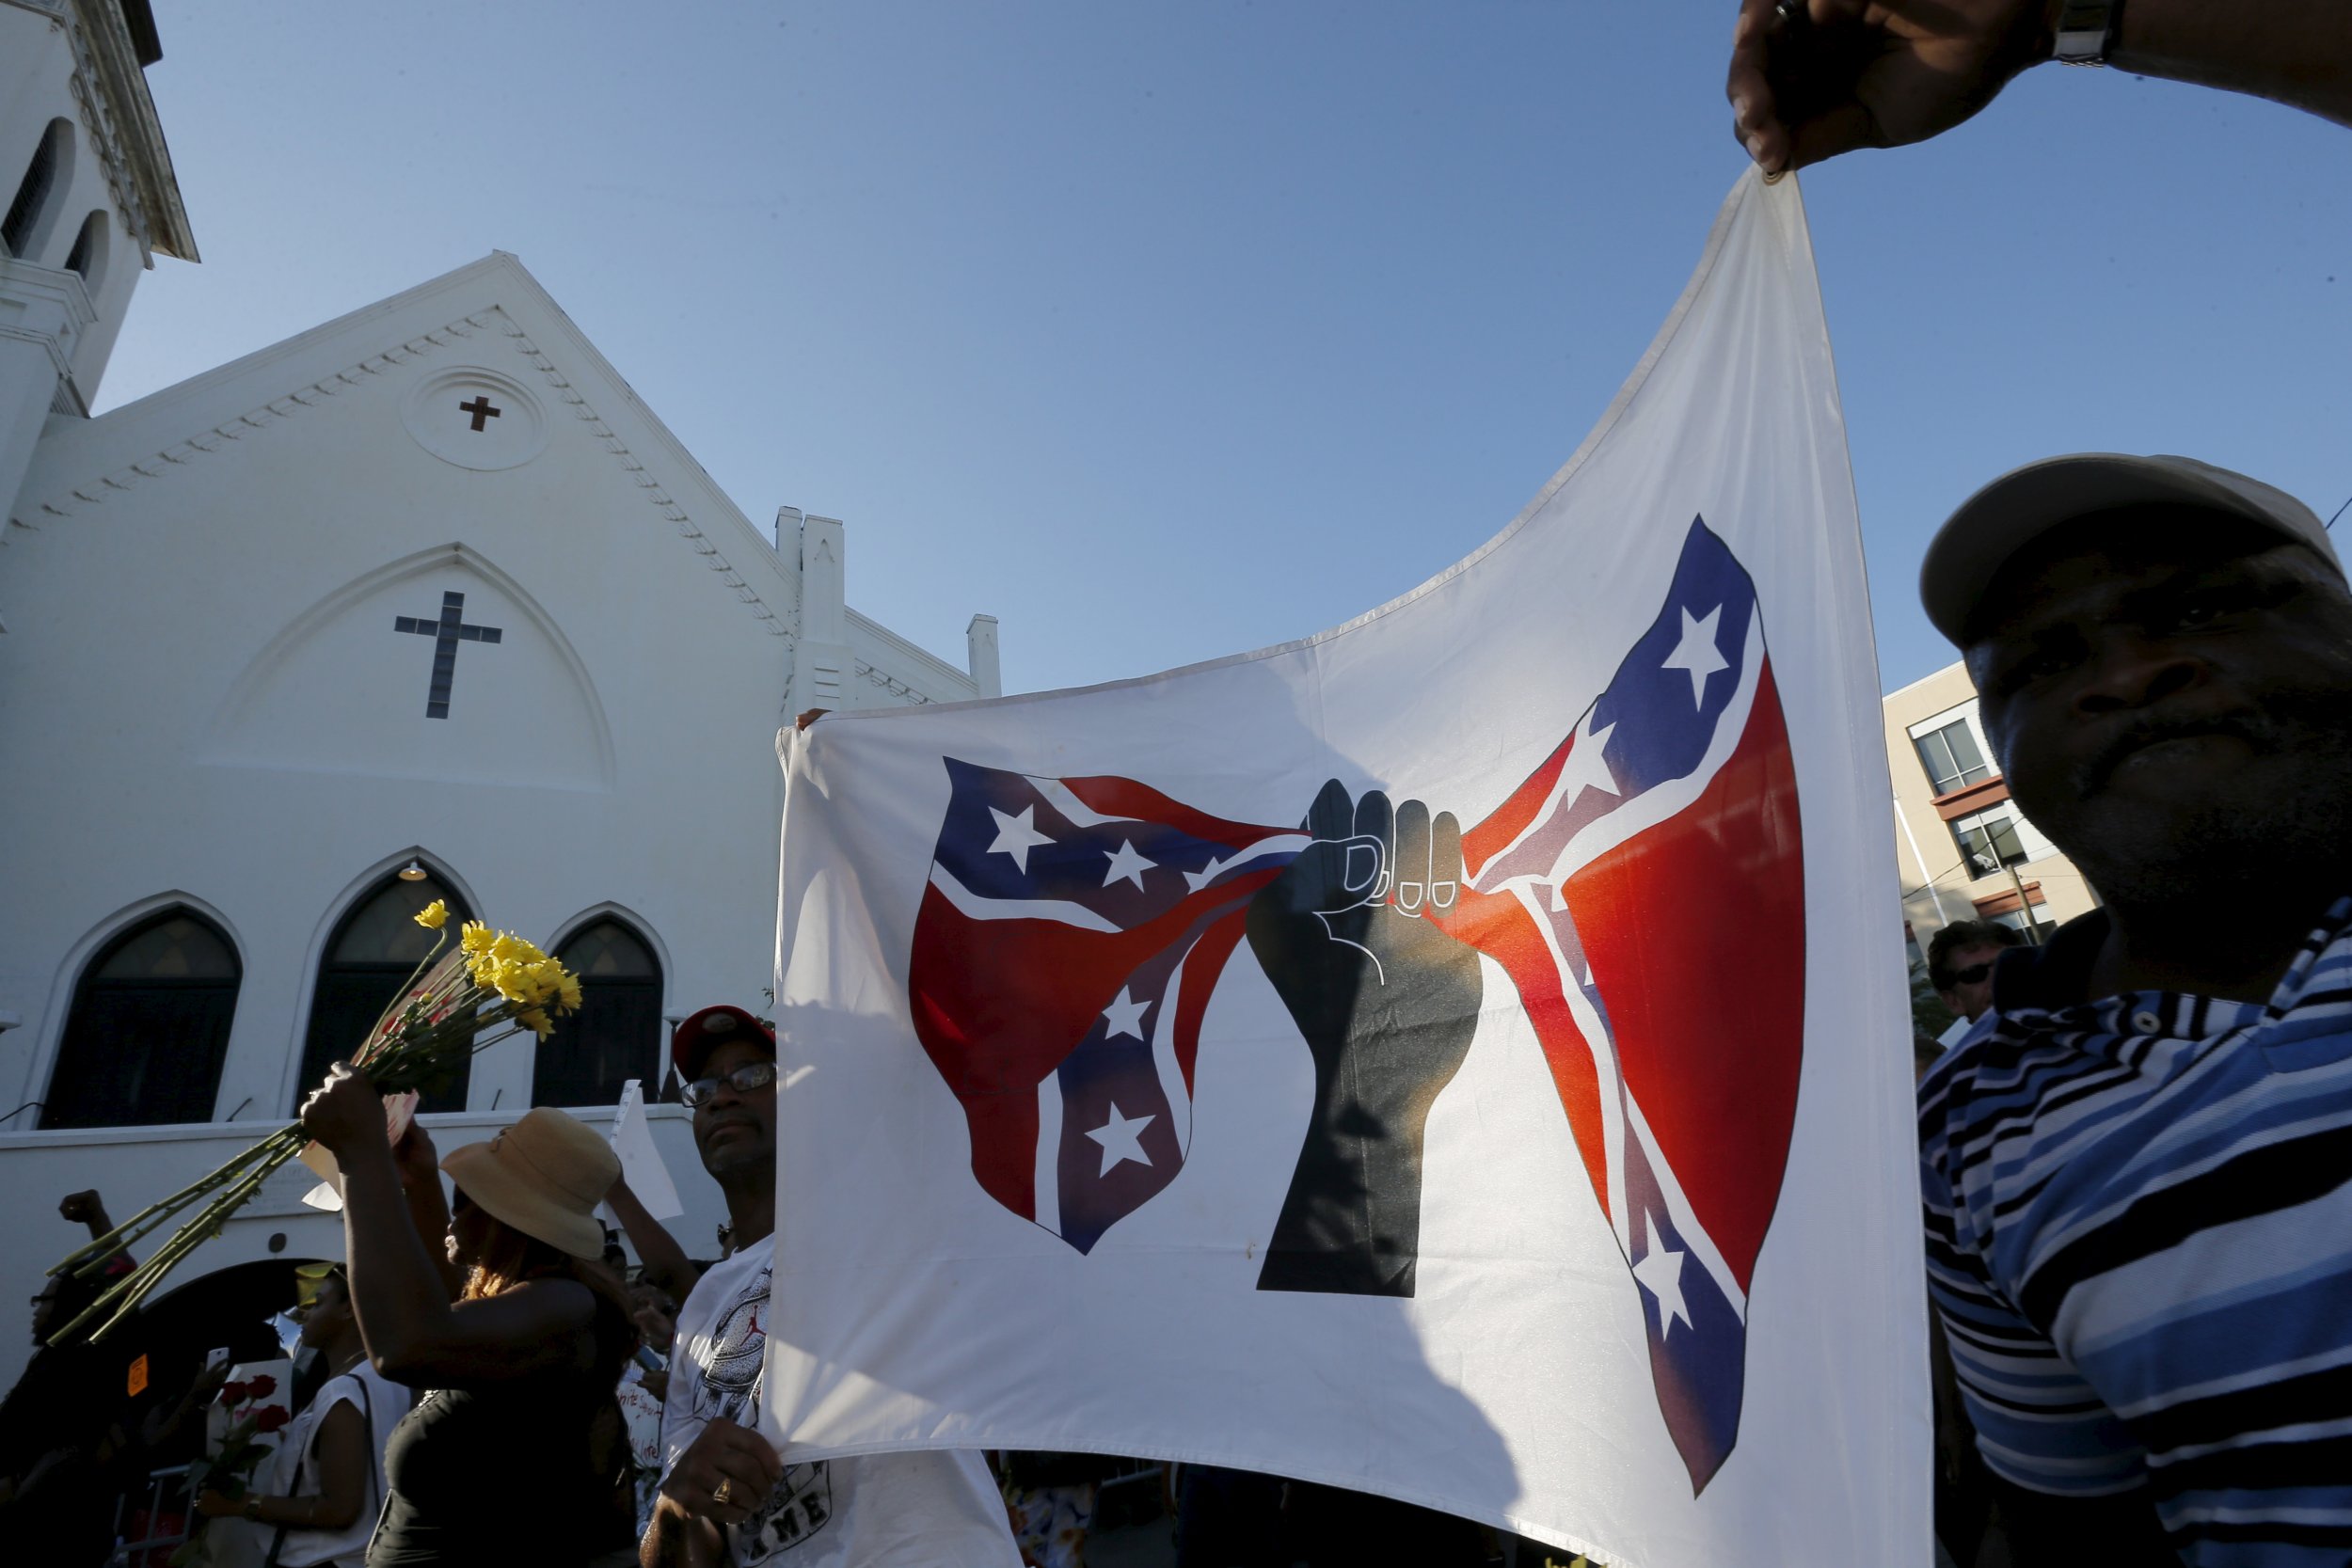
(449, 630)
(480, 409)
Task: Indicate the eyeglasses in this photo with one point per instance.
(1968, 977)
(743, 1080)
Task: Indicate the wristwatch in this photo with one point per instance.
(2085, 31)
(252, 1509)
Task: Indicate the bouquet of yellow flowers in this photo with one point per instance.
(452, 1007)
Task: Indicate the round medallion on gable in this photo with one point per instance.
(475, 419)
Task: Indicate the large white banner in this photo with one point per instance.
(1461, 1056)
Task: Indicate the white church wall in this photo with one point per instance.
(36, 65)
(279, 706)
(210, 701)
(46, 309)
(112, 278)
(84, 190)
(890, 671)
(222, 610)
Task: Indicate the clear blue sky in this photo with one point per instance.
(1167, 331)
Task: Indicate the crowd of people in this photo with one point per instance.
(2135, 1160)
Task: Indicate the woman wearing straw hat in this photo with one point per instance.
(513, 1452)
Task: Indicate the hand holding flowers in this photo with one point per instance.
(452, 1007)
(346, 1113)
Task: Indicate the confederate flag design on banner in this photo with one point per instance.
(1073, 929)
(1457, 1055)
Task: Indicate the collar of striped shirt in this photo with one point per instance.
(2045, 988)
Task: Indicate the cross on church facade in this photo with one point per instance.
(481, 409)
(446, 632)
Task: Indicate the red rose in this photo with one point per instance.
(262, 1387)
(232, 1393)
(270, 1419)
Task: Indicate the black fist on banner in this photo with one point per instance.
(1387, 1004)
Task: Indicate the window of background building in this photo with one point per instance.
(371, 954)
(616, 1034)
(2042, 923)
(1995, 837)
(1952, 755)
(149, 1027)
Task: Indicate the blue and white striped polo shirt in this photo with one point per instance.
(2140, 1237)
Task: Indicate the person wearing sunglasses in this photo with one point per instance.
(1960, 964)
(726, 1495)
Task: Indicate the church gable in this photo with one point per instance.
(479, 371)
(437, 666)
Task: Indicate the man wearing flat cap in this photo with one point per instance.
(2139, 1227)
(2136, 1166)
(725, 1496)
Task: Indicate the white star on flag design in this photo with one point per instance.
(1017, 835)
(1587, 767)
(1122, 1138)
(1128, 864)
(1698, 654)
(1660, 1273)
(1125, 1017)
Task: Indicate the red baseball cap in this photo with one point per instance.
(698, 1036)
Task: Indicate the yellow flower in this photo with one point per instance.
(503, 962)
(540, 1023)
(514, 949)
(434, 916)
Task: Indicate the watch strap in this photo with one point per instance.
(2085, 31)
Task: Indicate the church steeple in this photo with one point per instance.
(91, 200)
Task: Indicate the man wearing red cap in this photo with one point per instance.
(725, 1496)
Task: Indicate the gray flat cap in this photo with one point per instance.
(2005, 517)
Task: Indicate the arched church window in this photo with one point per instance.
(374, 950)
(42, 177)
(616, 1034)
(88, 255)
(149, 1029)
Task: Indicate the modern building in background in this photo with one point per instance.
(1964, 851)
(421, 603)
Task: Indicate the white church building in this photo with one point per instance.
(421, 603)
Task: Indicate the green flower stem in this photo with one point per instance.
(154, 1214)
(155, 1217)
(206, 1225)
(141, 1280)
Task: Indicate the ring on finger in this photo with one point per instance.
(724, 1493)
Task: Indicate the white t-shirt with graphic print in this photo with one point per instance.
(933, 1509)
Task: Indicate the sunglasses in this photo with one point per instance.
(743, 1080)
(1968, 977)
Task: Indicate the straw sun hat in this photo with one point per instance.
(545, 1177)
